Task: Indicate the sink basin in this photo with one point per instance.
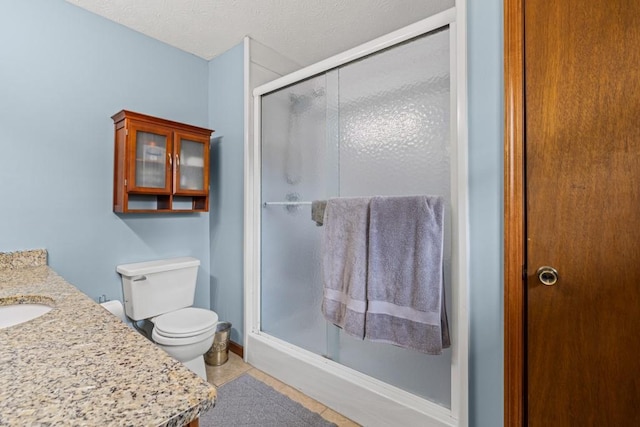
(21, 311)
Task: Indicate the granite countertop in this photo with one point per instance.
(80, 365)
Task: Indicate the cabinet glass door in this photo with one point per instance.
(151, 161)
(192, 168)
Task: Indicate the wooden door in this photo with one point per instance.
(582, 163)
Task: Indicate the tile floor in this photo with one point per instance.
(235, 366)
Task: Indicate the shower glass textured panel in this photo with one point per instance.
(376, 126)
(293, 169)
(394, 140)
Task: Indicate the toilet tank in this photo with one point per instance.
(153, 288)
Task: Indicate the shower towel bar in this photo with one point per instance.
(265, 204)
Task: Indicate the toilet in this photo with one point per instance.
(157, 297)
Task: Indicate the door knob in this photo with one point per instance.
(547, 275)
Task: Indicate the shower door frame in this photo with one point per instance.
(387, 403)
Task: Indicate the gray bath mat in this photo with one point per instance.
(246, 402)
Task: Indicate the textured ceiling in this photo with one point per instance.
(306, 31)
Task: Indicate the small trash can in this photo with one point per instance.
(218, 354)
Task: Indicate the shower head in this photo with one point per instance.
(301, 103)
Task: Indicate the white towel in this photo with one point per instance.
(344, 262)
(405, 288)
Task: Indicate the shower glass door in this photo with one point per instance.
(294, 162)
(376, 126)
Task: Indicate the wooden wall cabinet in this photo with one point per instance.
(160, 165)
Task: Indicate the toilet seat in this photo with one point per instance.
(185, 326)
(168, 341)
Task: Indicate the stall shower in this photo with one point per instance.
(379, 125)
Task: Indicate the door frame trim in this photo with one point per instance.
(514, 215)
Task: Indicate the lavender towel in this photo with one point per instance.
(344, 263)
(405, 288)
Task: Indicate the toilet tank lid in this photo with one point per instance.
(148, 267)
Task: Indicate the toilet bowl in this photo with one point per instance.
(162, 292)
(186, 334)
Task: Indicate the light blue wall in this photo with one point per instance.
(63, 73)
(486, 113)
(226, 111)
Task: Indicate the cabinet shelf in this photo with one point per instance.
(150, 161)
(152, 173)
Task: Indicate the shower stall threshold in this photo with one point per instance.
(360, 397)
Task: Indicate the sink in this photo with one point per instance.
(14, 311)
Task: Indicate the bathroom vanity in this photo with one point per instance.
(77, 364)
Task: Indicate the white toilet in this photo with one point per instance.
(162, 292)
